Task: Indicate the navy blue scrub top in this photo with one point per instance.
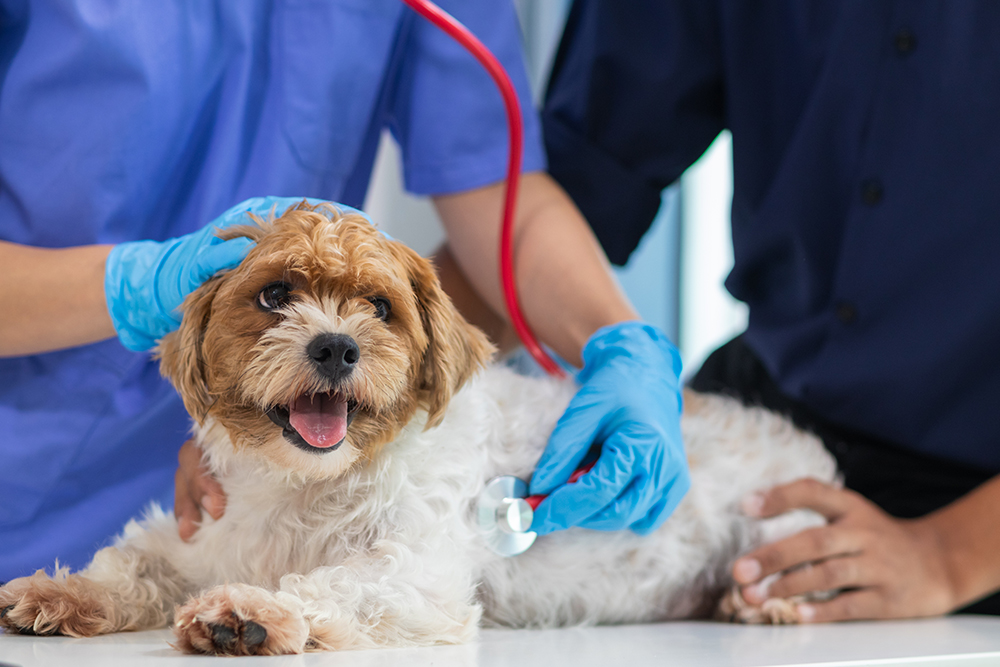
(866, 204)
(123, 121)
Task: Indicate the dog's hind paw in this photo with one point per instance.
(67, 604)
(239, 620)
(773, 611)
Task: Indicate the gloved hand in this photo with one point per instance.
(146, 281)
(629, 403)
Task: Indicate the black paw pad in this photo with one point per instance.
(254, 634)
(223, 637)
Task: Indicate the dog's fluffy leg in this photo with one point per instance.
(394, 600)
(773, 611)
(240, 619)
(365, 603)
(122, 589)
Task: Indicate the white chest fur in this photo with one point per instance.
(417, 499)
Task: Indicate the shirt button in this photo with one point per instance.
(905, 42)
(846, 313)
(871, 191)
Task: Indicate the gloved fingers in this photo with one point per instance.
(571, 504)
(219, 257)
(643, 506)
(262, 207)
(188, 262)
(638, 454)
(664, 508)
(570, 441)
(238, 214)
(628, 507)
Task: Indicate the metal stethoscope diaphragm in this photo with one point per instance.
(505, 512)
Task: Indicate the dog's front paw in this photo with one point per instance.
(239, 620)
(67, 604)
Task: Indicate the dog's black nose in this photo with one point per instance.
(335, 355)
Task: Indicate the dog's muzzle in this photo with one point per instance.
(318, 423)
(281, 415)
(335, 355)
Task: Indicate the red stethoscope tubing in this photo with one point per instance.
(535, 501)
(461, 34)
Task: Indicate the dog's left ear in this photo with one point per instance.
(180, 352)
(455, 349)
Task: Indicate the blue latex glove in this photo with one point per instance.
(146, 281)
(629, 403)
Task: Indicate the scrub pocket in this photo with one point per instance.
(331, 60)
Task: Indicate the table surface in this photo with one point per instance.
(968, 641)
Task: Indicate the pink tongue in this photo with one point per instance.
(320, 420)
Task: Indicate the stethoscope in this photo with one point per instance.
(504, 510)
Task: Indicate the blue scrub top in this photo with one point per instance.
(866, 204)
(121, 121)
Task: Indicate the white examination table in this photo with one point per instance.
(965, 641)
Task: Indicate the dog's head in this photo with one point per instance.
(322, 344)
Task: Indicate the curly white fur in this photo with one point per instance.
(375, 543)
(389, 554)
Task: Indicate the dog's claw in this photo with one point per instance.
(223, 636)
(254, 634)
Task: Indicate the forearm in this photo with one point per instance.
(968, 533)
(565, 284)
(53, 299)
(472, 307)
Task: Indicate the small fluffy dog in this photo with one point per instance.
(338, 397)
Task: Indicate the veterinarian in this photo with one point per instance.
(125, 130)
(865, 228)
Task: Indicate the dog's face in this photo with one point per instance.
(321, 345)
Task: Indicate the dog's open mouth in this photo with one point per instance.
(316, 423)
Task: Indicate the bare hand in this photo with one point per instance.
(886, 567)
(195, 489)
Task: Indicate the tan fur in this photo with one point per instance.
(236, 608)
(375, 542)
(334, 262)
(66, 604)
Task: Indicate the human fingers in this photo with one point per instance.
(808, 546)
(203, 488)
(832, 574)
(807, 493)
(186, 510)
(850, 606)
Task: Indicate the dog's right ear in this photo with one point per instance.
(180, 352)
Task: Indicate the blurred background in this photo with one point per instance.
(676, 276)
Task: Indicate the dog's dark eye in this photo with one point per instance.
(382, 307)
(274, 296)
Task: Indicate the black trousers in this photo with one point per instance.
(903, 483)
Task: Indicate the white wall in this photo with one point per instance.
(708, 316)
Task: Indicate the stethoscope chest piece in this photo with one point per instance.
(504, 516)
